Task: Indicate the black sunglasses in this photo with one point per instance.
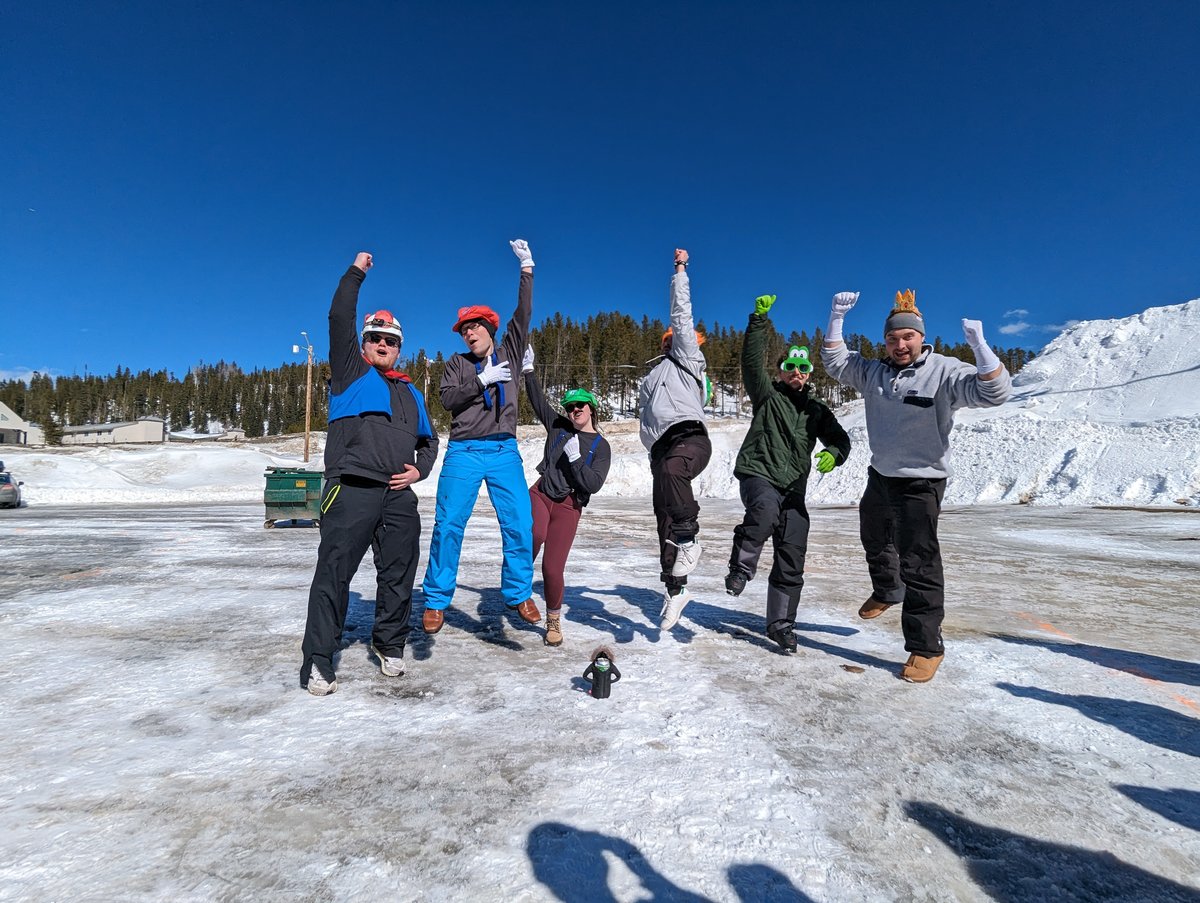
(575, 406)
(376, 337)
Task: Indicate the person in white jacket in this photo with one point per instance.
(671, 401)
(910, 397)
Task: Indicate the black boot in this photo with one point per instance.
(783, 634)
(735, 582)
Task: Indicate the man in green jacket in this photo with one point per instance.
(772, 469)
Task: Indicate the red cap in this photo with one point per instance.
(477, 312)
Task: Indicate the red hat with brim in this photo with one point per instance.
(477, 312)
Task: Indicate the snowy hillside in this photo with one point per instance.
(1108, 414)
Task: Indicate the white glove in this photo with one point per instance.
(494, 373)
(842, 302)
(527, 361)
(571, 448)
(521, 249)
(985, 359)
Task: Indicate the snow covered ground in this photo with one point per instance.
(158, 745)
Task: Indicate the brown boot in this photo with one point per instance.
(554, 635)
(919, 669)
(873, 608)
(528, 611)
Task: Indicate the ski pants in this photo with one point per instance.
(468, 463)
(356, 515)
(673, 466)
(898, 520)
(783, 518)
(554, 526)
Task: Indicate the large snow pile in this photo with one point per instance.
(1107, 414)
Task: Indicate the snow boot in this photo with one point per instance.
(873, 608)
(553, 635)
(919, 669)
(735, 582)
(673, 605)
(782, 633)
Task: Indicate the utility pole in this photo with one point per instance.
(307, 393)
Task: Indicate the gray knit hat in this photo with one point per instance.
(905, 314)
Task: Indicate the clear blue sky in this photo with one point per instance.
(187, 181)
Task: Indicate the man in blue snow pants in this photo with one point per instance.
(478, 391)
(380, 442)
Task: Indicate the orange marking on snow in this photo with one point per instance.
(1049, 628)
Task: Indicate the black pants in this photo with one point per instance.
(353, 519)
(783, 518)
(676, 460)
(897, 522)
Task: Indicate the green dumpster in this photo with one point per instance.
(292, 494)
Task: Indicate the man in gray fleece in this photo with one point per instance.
(911, 396)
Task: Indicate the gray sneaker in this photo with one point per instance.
(319, 686)
(686, 558)
(390, 665)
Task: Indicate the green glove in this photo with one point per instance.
(762, 304)
(825, 461)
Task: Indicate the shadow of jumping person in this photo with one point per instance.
(1139, 664)
(491, 626)
(757, 883)
(1011, 867)
(1177, 805)
(1149, 723)
(572, 865)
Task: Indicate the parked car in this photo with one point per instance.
(10, 491)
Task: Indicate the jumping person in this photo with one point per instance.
(380, 442)
(671, 400)
(477, 391)
(772, 469)
(911, 396)
(573, 468)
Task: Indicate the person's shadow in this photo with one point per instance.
(1139, 664)
(1178, 805)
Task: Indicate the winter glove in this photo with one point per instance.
(521, 249)
(985, 359)
(495, 373)
(762, 304)
(842, 302)
(825, 461)
(571, 448)
(527, 361)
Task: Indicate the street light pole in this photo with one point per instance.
(307, 394)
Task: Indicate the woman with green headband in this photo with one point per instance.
(573, 468)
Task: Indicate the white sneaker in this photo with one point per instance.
(319, 686)
(673, 607)
(687, 558)
(391, 666)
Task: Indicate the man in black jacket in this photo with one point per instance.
(380, 442)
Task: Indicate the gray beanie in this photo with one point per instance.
(905, 314)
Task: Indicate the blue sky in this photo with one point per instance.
(187, 181)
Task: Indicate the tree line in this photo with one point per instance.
(608, 353)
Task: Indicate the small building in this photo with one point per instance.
(15, 431)
(142, 431)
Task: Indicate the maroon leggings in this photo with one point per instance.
(554, 525)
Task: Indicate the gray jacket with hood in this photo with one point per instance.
(673, 392)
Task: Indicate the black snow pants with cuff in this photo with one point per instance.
(678, 457)
(898, 521)
(356, 515)
(781, 517)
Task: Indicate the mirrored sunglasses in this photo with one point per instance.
(376, 337)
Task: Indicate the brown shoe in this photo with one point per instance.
(528, 611)
(920, 669)
(554, 635)
(432, 620)
(873, 608)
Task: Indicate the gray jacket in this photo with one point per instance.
(910, 410)
(674, 390)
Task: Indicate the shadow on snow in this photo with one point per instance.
(1139, 664)
(1179, 806)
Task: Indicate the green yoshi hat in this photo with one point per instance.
(797, 359)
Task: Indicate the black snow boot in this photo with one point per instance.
(735, 582)
(783, 634)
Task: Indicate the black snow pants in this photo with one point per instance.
(676, 459)
(897, 521)
(357, 515)
(783, 518)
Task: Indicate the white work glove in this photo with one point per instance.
(527, 360)
(571, 448)
(494, 373)
(521, 249)
(985, 359)
(842, 302)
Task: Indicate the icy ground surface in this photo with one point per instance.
(157, 745)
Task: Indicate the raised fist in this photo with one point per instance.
(843, 301)
(363, 261)
(521, 249)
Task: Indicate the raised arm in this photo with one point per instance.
(516, 336)
(684, 345)
(344, 346)
(537, 397)
(754, 346)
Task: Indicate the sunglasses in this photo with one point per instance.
(376, 337)
(575, 406)
(788, 367)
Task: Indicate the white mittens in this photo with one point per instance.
(521, 249)
(842, 302)
(527, 361)
(495, 373)
(571, 448)
(985, 359)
